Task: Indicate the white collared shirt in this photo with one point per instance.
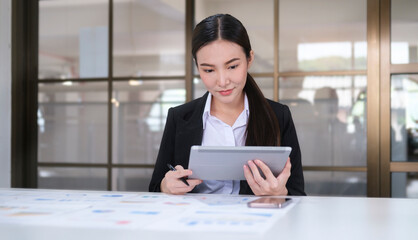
(218, 133)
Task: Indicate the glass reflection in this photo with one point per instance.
(72, 122)
(322, 35)
(404, 37)
(329, 56)
(404, 185)
(329, 115)
(73, 39)
(139, 113)
(335, 183)
(404, 117)
(131, 179)
(148, 38)
(72, 178)
(260, 27)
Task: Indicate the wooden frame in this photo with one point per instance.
(384, 141)
(387, 71)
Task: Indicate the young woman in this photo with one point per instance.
(233, 112)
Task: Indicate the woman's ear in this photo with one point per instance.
(251, 59)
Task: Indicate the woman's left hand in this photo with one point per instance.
(271, 185)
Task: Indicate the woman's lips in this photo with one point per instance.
(226, 92)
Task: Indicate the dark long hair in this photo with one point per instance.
(262, 128)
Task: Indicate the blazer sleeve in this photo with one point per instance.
(165, 154)
(295, 183)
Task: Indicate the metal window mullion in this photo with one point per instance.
(109, 100)
(385, 101)
(189, 25)
(276, 51)
(410, 68)
(105, 79)
(334, 169)
(373, 98)
(93, 165)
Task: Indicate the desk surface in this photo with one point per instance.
(66, 214)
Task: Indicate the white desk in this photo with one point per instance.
(64, 214)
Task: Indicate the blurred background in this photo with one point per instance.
(108, 71)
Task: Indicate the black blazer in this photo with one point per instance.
(184, 128)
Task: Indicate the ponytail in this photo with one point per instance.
(262, 128)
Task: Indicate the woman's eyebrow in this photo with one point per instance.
(211, 65)
(234, 59)
(206, 64)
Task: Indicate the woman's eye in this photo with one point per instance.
(208, 70)
(233, 67)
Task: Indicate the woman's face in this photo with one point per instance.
(223, 68)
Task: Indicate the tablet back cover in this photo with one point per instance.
(226, 163)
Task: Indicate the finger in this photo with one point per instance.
(179, 167)
(283, 178)
(183, 188)
(173, 179)
(194, 182)
(285, 174)
(178, 187)
(173, 174)
(250, 180)
(249, 176)
(181, 172)
(257, 177)
(266, 170)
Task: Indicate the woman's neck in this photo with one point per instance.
(227, 112)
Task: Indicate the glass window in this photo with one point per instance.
(72, 178)
(335, 183)
(260, 27)
(329, 113)
(131, 179)
(404, 34)
(73, 39)
(404, 117)
(405, 185)
(139, 113)
(322, 35)
(265, 84)
(72, 122)
(149, 38)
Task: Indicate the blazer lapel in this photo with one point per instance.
(190, 133)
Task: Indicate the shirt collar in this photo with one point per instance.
(206, 110)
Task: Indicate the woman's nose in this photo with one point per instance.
(223, 79)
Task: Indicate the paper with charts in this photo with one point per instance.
(192, 212)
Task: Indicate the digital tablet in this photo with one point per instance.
(226, 163)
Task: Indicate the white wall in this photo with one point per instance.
(5, 92)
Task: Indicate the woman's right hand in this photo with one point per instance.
(172, 184)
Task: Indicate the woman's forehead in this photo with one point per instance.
(218, 50)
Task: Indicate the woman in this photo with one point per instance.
(233, 112)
